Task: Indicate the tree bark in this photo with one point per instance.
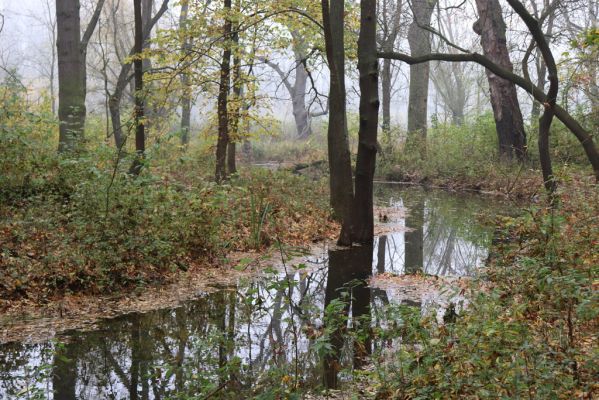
(72, 70)
(71, 97)
(504, 100)
(340, 178)
(223, 95)
(420, 43)
(368, 67)
(140, 138)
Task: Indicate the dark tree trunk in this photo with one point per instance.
(71, 94)
(223, 95)
(185, 83)
(368, 66)
(340, 180)
(504, 100)
(140, 138)
(345, 268)
(420, 44)
(114, 101)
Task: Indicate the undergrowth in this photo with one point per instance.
(81, 223)
(530, 330)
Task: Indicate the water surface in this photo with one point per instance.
(268, 334)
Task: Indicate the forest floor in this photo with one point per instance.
(63, 266)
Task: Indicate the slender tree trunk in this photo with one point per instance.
(234, 136)
(420, 44)
(71, 97)
(368, 66)
(223, 94)
(185, 82)
(504, 100)
(386, 97)
(140, 138)
(340, 179)
(114, 101)
(298, 99)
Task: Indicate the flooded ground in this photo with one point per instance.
(304, 324)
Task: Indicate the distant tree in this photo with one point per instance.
(389, 22)
(419, 39)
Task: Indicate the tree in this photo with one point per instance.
(223, 94)
(72, 70)
(114, 101)
(368, 67)
(340, 175)
(186, 89)
(548, 100)
(420, 43)
(140, 136)
(389, 22)
(504, 99)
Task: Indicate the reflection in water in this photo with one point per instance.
(262, 336)
(442, 235)
(348, 270)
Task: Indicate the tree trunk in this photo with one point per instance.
(340, 180)
(71, 96)
(504, 100)
(114, 101)
(140, 138)
(235, 119)
(368, 67)
(223, 94)
(420, 44)
(185, 82)
(298, 100)
(386, 97)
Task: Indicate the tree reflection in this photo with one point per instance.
(348, 271)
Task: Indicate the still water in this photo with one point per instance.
(267, 335)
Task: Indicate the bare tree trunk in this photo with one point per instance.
(504, 100)
(420, 43)
(340, 179)
(298, 99)
(368, 66)
(223, 94)
(71, 97)
(386, 97)
(114, 101)
(72, 70)
(140, 138)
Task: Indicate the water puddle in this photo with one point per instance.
(300, 325)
